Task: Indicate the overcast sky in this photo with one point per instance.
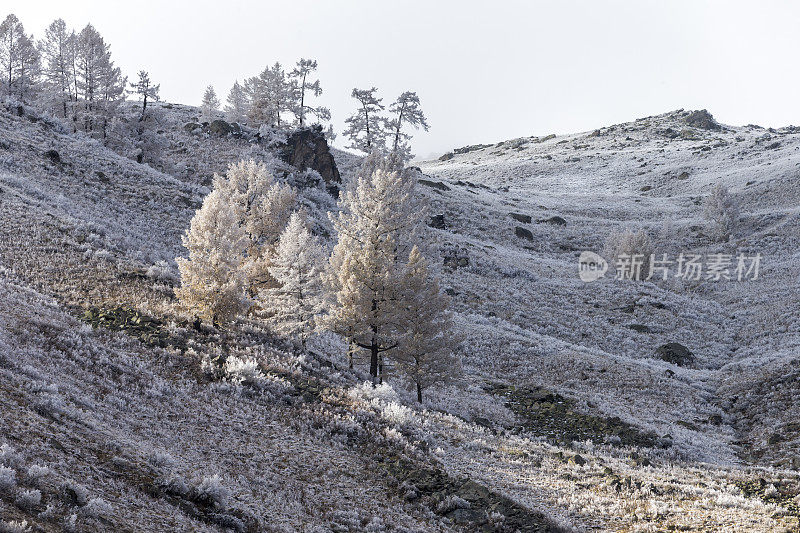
(484, 71)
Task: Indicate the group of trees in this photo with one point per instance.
(369, 130)
(251, 249)
(68, 73)
(274, 97)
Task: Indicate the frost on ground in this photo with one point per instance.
(118, 414)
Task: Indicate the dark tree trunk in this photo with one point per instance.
(419, 393)
(373, 361)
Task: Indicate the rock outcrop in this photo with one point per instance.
(307, 148)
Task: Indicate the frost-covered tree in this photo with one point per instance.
(212, 281)
(19, 59)
(100, 85)
(425, 353)
(405, 111)
(236, 107)
(264, 205)
(210, 104)
(365, 126)
(58, 68)
(300, 76)
(721, 212)
(366, 268)
(271, 96)
(145, 89)
(297, 264)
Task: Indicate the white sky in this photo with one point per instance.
(484, 71)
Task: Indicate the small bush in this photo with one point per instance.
(622, 246)
(721, 212)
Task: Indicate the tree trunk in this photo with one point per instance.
(419, 393)
(373, 362)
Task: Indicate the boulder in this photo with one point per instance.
(702, 119)
(675, 353)
(523, 233)
(446, 157)
(519, 217)
(307, 148)
(189, 127)
(220, 128)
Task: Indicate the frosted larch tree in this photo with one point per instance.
(265, 206)
(101, 86)
(210, 104)
(236, 107)
(212, 282)
(145, 89)
(19, 58)
(405, 111)
(296, 266)
(425, 353)
(366, 270)
(306, 88)
(58, 63)
(364, 127)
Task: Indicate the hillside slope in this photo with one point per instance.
(564, 408)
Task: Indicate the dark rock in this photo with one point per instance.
(434, 184)
(437, 221)
(189, 127)
(523, 233)
(675, 353)
(307, 148)
(639, 328)
(577, 460)
(220, 128)
(702, 119)
(101, 176)
(446, 157)
(519, 217)
(555, 220)
(715, 420)
(646, 188)
(773, 146)
(53, 156)
(683, 175)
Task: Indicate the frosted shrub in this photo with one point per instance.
(451, 503)
(212, 490)
(397, 413)
(97, 508)
(8, 479)
(36, 473)
(15, 526)
(721, 212)
(365, 391)
(624, 245)
(8, 456)
(244, 370)
(28, 499)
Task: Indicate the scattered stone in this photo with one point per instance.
(683, 175)
(53, 156)
(523, 233)
(646, 188)
(446, 157)
(554, 220)
(675, 353)
(639, 328)
(519, 217)
(577, 460)
(189, 127)
(220, 128)
(437, 221)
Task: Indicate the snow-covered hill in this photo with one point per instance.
(566, 407)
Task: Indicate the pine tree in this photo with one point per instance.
(271, 95)
(406, 111)
(296, 266)
(212, 282)
(19, 59)
(58, 58)
(210, 104)
(145, 89)
(300, 76)
(366, 267)
(364, 127)
(425, 353)
(236, 108)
